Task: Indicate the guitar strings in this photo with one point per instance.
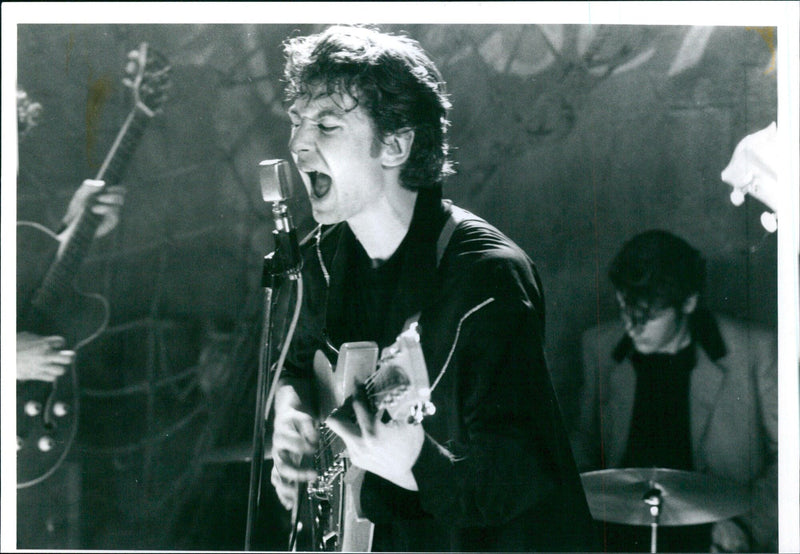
(327, 436)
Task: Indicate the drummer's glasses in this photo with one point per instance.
(638, 314)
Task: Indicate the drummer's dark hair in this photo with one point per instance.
(657, 269)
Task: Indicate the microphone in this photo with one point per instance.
(275, 179)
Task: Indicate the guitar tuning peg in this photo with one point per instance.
(419, 411)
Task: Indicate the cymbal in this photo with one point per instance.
(686, 497)
(242, 452)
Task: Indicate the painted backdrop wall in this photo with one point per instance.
(570, 138)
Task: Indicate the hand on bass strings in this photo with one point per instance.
(388, 449)
(294, 440)
(41, 358)
(104, 201)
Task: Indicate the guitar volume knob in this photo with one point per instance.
(45, 444)
(33, 408)
(60, 409)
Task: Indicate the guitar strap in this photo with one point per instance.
(457, 215)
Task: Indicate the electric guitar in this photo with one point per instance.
(329, 517)
(49, 304)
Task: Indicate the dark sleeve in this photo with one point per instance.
(501, 455)
(503, 466)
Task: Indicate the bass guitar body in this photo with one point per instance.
(47, 413)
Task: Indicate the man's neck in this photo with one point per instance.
(381, 230)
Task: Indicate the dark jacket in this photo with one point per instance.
(495, 471)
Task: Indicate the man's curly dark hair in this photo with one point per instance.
(392, 77)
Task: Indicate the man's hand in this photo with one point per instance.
(728, 536)
(41, 358)
(105, 202)
(385, 449)
(294, 440)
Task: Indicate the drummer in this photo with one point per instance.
(673, 385)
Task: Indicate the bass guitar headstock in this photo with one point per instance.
(148, 77)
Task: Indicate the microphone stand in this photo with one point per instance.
(284, 262)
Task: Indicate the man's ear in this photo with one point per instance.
(690, 304)
(397, 147)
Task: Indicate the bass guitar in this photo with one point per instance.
(328, 515)
(48, 302)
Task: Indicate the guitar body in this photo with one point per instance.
(47, 413)
(329, 513)
(77, 316)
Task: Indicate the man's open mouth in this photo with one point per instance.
(320, 183)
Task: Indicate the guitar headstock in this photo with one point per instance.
(148, 78)
(401, 385)
(28, 113)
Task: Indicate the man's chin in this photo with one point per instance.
(323, 217)
(643, 348)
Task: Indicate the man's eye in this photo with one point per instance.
(326, 128)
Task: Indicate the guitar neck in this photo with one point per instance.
(331, 446)
(57, 280)
(124, 145)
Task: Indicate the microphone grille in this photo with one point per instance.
(275, 179)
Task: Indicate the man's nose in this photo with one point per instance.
(630, 326)
(301, 139)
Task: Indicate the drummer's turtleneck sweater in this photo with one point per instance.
(660, 432)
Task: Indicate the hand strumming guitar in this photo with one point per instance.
(388, 449)
(294, 440)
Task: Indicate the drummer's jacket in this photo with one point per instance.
(733, 409)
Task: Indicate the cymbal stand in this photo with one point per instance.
(653, 499)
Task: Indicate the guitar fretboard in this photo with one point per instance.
(57, 281)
